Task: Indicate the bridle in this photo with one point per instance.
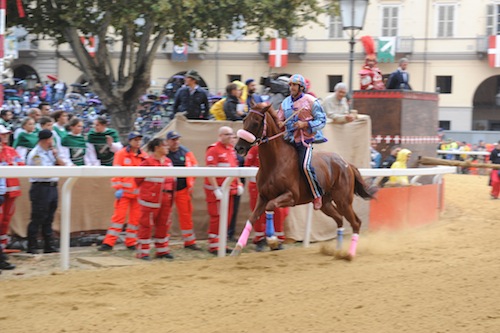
(250, 138)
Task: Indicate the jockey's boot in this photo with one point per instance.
(318, 202)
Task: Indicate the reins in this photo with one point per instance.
(264, 138)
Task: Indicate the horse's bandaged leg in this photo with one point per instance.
(269, 224)
(242, 241)
(354, 244)
(340, 238)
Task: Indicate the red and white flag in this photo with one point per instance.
(90, 44)
(494, 51)
(278, 52)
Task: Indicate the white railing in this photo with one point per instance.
(74, 173)
(458, 152)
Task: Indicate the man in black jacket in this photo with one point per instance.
(399, 79)
(191, 98)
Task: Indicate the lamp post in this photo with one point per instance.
(352, 13)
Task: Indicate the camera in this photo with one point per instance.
(276, 86)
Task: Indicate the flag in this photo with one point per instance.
(90, 44)
(180, 53)
(494, 51)
(278, 52)
(386, 49)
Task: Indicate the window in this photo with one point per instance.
(445, 20)
(445, 125)
(443, 84)
(233, 77)
(492, 19)
(332, 81)
(390, 18)
(335, 27)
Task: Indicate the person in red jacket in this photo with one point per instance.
(370, 75)
(126, 196)
(8, 156)
(220, 154)
(252, 160)
(156, 195)
(182, 157)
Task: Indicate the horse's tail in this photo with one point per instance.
(360, 187)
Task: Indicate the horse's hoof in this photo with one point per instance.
(273, 242)
(236, 251)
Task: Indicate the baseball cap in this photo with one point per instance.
(173, 135)
(133, 135)
(247, 82)
(44, 134)
(4, 130)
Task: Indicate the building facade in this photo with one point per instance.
(446, 42)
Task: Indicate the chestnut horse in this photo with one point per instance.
(281, 184)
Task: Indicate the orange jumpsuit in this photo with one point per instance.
(156, 196)
(252, 160)
(128, 203)
(9, 156)
(184, 158)
(218, 155)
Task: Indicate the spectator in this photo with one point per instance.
(126, 193)
(370, 75)
(4, 264)
(219, 154)
(8, 156)
(399, 79)
(156, 198)
(74, 147)
(495, 173)
(253, 97)
(401, 163)
(43, 193)
(182, 157)
(376, 157)
(27, 138)
(33, 113)
(104, 143)
(191, 98)
(44, 109)
(6, 119)
(389, 160)
(236, 203)
(336, 106)
(233, 109)
(60, 121)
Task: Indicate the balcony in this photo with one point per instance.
(194, 48)
(296, 46)
(482, 44)
(404, 45)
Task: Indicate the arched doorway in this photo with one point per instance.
(486, 105)
(27, 76)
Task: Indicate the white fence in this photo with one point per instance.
(74, 173)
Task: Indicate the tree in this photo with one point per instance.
(140, 27)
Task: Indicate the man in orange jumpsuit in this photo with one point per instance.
(220, 154)
(156, 196)
(252, 160)
(126, 196)
(8, 156)
(181, 156)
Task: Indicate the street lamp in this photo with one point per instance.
(352, 13)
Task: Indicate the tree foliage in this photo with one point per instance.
(141, 27)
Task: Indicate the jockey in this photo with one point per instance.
(307, 118)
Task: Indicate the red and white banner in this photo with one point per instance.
(90, 44)
(278, 52)
(396, 139)
(494, 51)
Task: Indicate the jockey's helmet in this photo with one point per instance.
(298, 79)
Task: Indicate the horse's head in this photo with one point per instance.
(253, 128)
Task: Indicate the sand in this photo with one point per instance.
(443, 277)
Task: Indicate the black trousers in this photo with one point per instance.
(43, 197)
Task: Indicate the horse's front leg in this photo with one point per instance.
(257, 212)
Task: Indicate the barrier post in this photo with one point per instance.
(223, 216)
(66, 221)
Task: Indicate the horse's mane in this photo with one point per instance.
(271, 111)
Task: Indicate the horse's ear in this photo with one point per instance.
(252, 104)
(266, 108)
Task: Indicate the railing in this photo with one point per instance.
(74, 173)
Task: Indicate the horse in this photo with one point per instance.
(281, 183)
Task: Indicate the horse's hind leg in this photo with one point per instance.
(355, 222)
(329, 209)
